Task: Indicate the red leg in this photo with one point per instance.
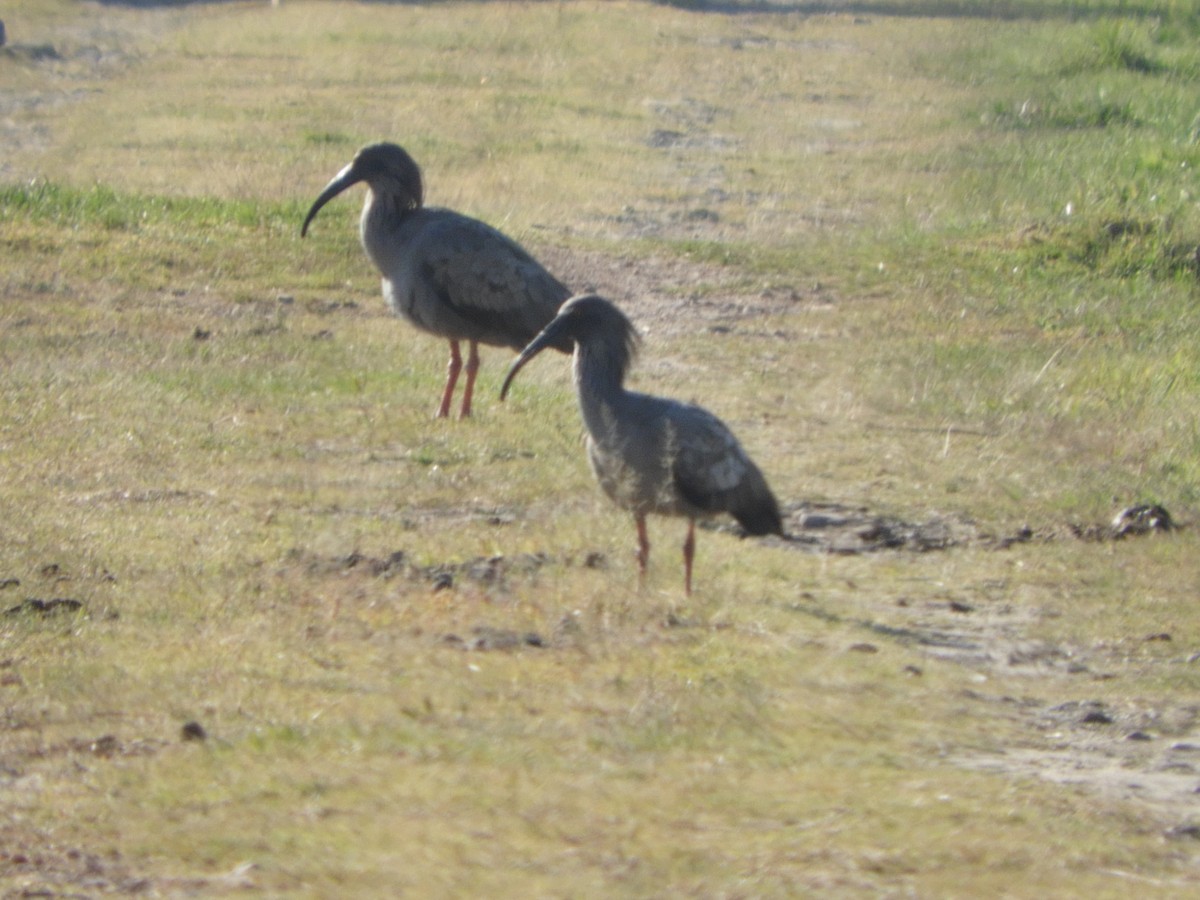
(643, 550)
(469, 389)
(452, 370)
(689, 553)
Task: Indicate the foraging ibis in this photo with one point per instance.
(650, 454)
(446, 273)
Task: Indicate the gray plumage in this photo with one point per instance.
(650, 454)
(446, 273)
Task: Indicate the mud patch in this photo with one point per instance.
(488, 571)
(33, 865)
(37, 606)
(850, 530)
(485, 637)
(833, 528)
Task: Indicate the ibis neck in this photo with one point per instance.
(599, 381)
(382, 214)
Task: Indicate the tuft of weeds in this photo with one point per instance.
(1116, 45)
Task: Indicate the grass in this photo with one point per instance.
(215, 438)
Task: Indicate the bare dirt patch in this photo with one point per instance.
(50, 69)
(1145, 756)
(668, 297)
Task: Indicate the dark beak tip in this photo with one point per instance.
(308, 220)
(507, 384)
(344, 179)
(516, 367)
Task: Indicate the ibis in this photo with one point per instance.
(651, 454)
(448, 274)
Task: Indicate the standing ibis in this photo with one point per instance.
(446, 273)
(650, 454)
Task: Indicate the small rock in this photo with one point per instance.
(1190, 830)
(1139, 736)
(36, 52)
(503, 639)
(105, 746)
(674, 620)
(1141, 519)
(1097, 717)
(822, 520)
(487, 570)
(193, 731)
(494, 639)
(864, 647)
(568, 625)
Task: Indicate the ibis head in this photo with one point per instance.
(598, 329)
(388, 170)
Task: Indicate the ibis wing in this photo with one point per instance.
(713, 473)
(709, 463)
(489, 281)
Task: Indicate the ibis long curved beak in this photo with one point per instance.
(348, 177)
(552, 336)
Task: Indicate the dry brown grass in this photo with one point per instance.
(416, 650)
